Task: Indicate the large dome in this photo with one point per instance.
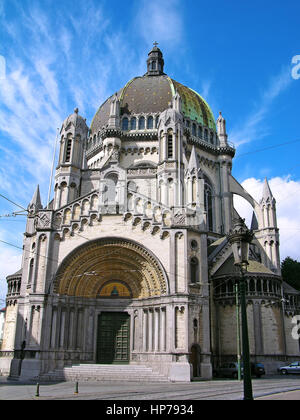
(152, 94)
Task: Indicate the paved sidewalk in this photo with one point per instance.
(284, 396)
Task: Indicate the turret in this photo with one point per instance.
(74, 134)
(268, 234)
(170, 134)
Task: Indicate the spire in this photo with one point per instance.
(155, 61)
(267, 193)
(194, 165)
(35, 204)
(254, 222)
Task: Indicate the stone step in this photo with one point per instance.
(93, 372)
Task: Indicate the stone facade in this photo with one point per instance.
(142, 206)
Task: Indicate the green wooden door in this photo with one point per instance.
(113, 338)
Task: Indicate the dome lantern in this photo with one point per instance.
(155, 62)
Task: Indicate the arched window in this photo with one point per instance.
(208, 204)
(153, 65)
(200, 133)
(206, 135)
(194, 270)
(131, 186)
(150, 123)
(170, 146)
(212, 138)
(194, 132)
(142, 123)
(125, 124)
(133, 123)
(68, 150)
(30, 274)
(110, 182)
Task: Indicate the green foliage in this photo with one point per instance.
(290, 270)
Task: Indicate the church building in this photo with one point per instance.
(129, 269)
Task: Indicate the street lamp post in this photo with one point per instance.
(238, 341)
(240, 238)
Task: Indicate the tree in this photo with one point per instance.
(290, 270)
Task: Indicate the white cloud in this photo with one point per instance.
(287, 195)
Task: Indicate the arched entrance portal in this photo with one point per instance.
(90, 269)
(100, 287)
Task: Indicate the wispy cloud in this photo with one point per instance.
(254, 127)
(161, 20)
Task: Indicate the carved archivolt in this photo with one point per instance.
(84, 272)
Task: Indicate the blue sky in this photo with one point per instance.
(67, 54)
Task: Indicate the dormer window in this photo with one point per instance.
(200, 133)
(150, 123)
(133, 123)
(125, 124)
(205, 135)
(142, 123)
(194, 130)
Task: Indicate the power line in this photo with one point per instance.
(267, 148)
(1, 195)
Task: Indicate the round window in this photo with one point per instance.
(194, 244)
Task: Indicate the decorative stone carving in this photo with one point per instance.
(43, 220)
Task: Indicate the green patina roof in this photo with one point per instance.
(194, 106)
(153, 94)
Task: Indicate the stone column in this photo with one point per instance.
(156, 329)
(53, 328)
(145, 330)
(257, 322)
(163, 329)
(150, 330)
